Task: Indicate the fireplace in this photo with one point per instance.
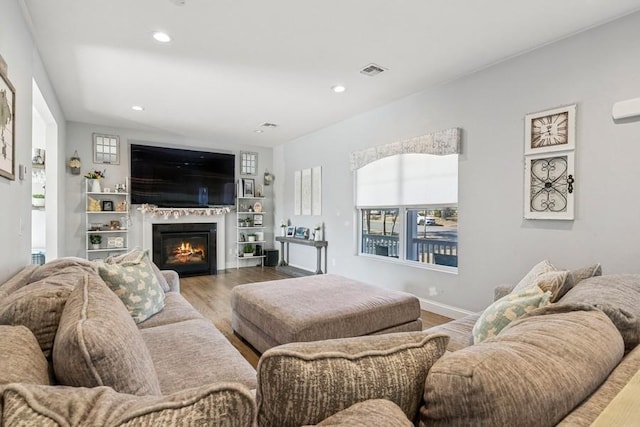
(188, 248)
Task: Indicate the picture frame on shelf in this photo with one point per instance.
(114, 224)
(115, 242)
(291, 230)
(7, 128)
(107, 205)
(257, 220)
(302, 233)
(248, 185)
(550, 130)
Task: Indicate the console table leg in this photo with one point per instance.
(319, 261)
(283, 262)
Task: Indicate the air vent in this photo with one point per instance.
(269, 125)
(372, 70)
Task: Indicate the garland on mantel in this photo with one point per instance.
(178, 212)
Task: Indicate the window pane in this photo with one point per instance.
(380, 232)
(432, 235)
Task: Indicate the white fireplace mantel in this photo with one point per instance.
(149, 219)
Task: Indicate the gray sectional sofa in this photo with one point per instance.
(72, 355)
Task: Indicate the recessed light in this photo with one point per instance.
(338, 88)
(258, 131)
(162, 37)
(137, 108)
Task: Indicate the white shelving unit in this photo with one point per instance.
(113, 240)
(251, 220)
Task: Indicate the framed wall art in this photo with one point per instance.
(248, 163)
(302, 233)
(106, 149)
(291, 231)
(549, 186)
(248, 185)
(7, 128)
(550, 131)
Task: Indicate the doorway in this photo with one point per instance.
(44, 181)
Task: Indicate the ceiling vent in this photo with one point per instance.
(372, 70)
(268, 125)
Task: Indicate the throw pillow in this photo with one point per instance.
(222, 404)
(134, 257)
(99, 344)
(306, 382)
(578, 275)
(136, 285)
(373, 412)
(538, 269)
(38, 306)
(506, 310)
(535, 372)
(21, 360)
(19, 280)
(616, 295)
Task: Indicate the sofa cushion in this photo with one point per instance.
(17, 281)
(99, 344)
(532, 374)
(38, 306)
(21, 359)
(211, 405)
(373, 412)
(176, 309)
(304, 383)
(508, 309)
(192, 353)
(578, 275)
(459, 331)
(137, 286)
(66, 266)
(134, 257)
(617, 295)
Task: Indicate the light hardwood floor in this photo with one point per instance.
(211, 296)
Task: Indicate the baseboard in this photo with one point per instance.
(443, 309)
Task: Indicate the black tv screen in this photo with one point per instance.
(170, 177)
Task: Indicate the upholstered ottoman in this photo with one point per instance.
(267, 314)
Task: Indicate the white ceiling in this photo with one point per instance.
(235, 64)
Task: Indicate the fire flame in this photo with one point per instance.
(185, 252)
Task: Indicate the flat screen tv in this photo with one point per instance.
(170, 177)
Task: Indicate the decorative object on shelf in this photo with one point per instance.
(259, 236)
(115, 242)
(247, 186)
(94, 205)
(114, 224)
(95, 227)
(178, 212)
(248, 250)
(248, 163)
(302, 233)
(268, 177)
(94, 178)
(251, 237)
(37, 200)
(7, 127)
(257, 220)
(95, 240)
(39, 157)
(283, 227)
(257, 207)
(317, 232)
(106, 149)
(121, 206)
(107, 205)
(551, 130)
(75, 164)
(121, 188)
(291, 230)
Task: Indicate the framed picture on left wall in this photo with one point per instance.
(7, 128)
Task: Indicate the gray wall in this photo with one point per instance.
(80, 139)
(496, 245)
(24, 64)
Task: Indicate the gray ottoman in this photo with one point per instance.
(319, 307)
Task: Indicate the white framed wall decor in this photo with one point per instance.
(550, 130)
(548, 186)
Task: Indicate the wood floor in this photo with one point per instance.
(211, 296)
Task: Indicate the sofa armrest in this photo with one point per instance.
(172, 279)
(373, 412)
(501, 291)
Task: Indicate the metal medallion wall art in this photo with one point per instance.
(549, 164)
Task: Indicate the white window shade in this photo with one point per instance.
(408, 179)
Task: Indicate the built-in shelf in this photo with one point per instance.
(107, 249)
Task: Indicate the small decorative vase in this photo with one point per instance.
(95, 186)
(317, 236)
(283, 231)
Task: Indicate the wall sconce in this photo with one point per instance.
(74, 163)
(268, 178)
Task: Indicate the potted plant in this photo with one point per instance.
(283, 227)
(248, 250)
(95, 240)
(251, 237)
(94, 178)
(37, 200)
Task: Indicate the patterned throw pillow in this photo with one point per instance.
(136, 285)
(133, 257)
(507, 309)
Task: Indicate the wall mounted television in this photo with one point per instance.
(171, 177)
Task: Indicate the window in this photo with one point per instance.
(408, 208)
